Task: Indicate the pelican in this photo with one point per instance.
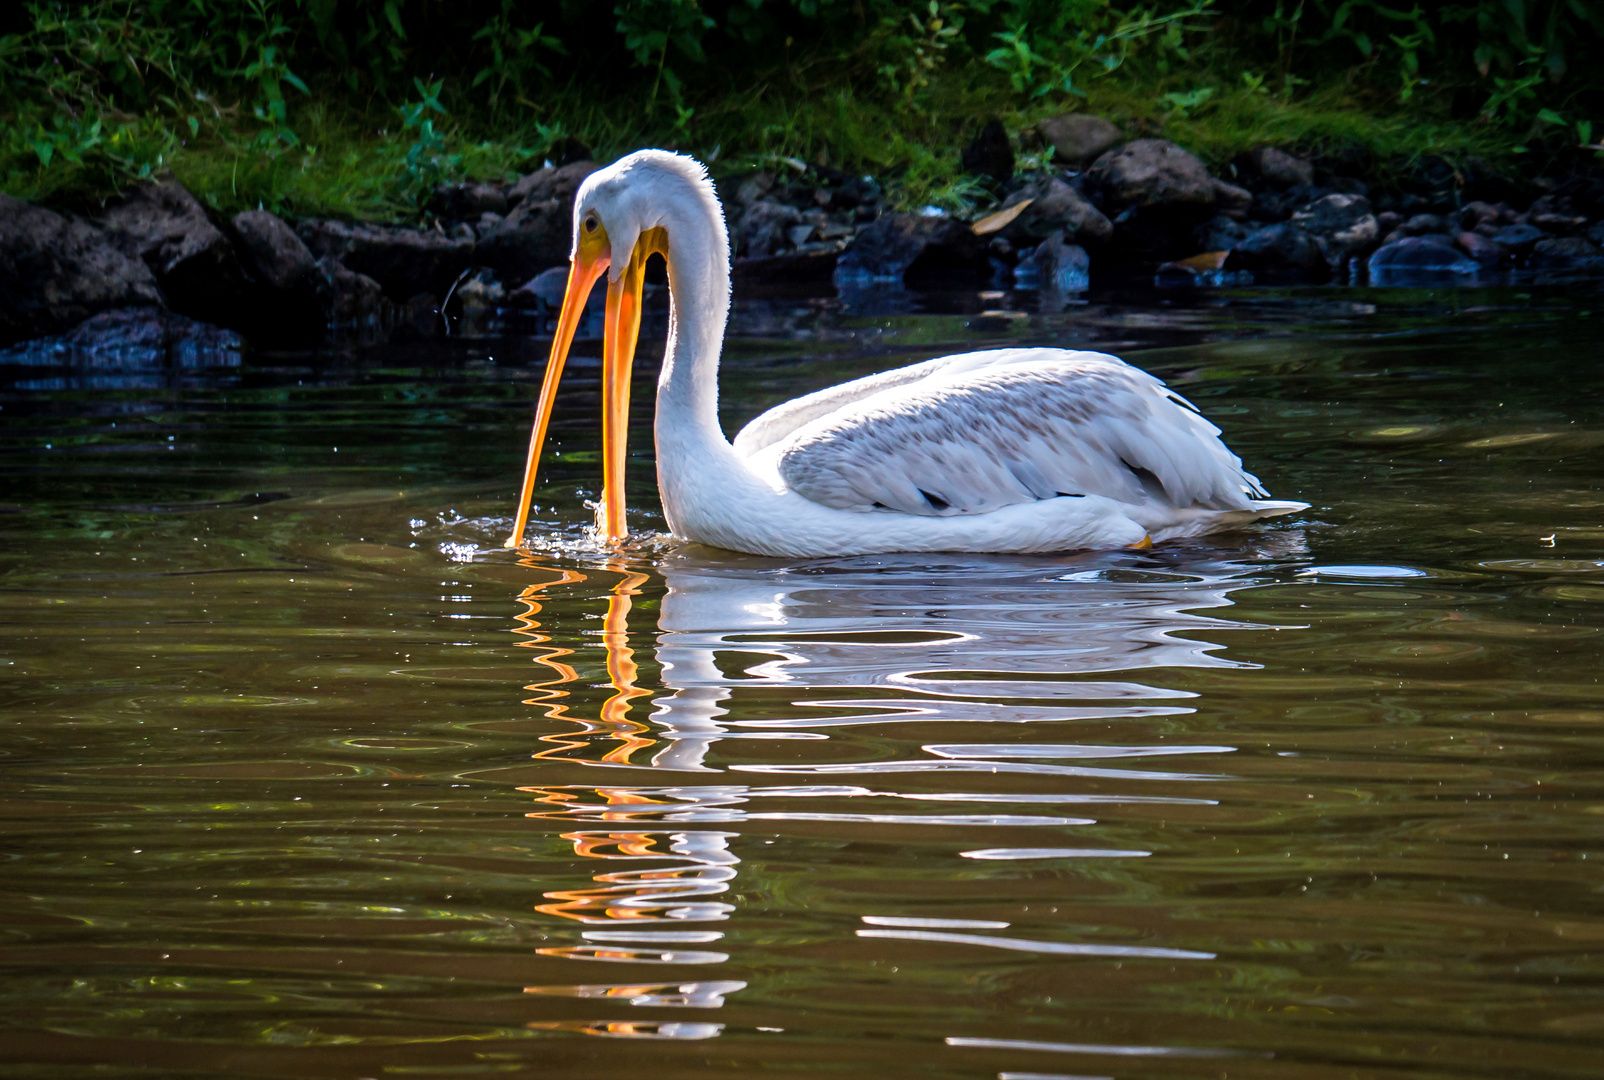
(1006, 450)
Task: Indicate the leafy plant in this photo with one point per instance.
(426, 162)
(512, 57)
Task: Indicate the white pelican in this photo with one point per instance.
(1008, 450)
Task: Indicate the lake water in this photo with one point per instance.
(304, 776)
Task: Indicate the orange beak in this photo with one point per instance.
(621, 331)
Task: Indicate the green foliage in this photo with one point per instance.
(362, 108)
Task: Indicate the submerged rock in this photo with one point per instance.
(1414, 258)
(1055, 266)
(198, 269)
(1078, 138)
(57, 271)
(138, 338)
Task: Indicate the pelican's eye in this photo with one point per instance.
(591, 223)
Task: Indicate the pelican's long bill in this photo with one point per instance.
(621, 330)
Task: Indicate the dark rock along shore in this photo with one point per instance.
(1107, 206)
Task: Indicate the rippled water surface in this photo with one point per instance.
(304, 776)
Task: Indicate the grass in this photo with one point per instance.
(352, 157)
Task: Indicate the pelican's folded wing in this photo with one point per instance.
(986, 430)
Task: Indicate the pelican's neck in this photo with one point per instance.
(699, 307)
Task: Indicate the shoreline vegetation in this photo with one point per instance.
(333, 108)
(372, 164)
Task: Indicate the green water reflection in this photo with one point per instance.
(304, 776)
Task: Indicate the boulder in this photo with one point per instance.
(1221, 233)
(1077, 138)
(1281, 168)
(1518, 239)
(1424, 224)
(1055, 207)
(1483, 250)
(465, 202)
(348, 298)
(196, 266)
(1565, 253)
(1279, 248)
(1342, 225)
(754, 188)
(763, 228)
(553, 182)
(133, 338)
(1153, 172)
(403, 261)
(284, 306)
(272, 253)
(1415, 258)
(538, 232)
(1230, 198)
(905, 246)
(56, 272)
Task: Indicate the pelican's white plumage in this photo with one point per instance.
(1008, 450)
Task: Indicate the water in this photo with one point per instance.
(305, 777)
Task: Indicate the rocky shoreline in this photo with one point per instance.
(1108, 205)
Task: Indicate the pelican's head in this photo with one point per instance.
(623, 215)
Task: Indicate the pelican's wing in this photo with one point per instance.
(980, 431)
(770, 427)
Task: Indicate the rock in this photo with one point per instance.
(403, 261)
(1279, 248)
(1565, 253)
(754, 188)
(56, 272)
(1280, 205)
(787, 272)
(348, 298)
(538, 232)
(1388, 220)
(1417, 257)
(1055, 266)
(1055, 207)
(1280, 167)
(560, 183)
(481, 289)
(1342, 226)
(856, 192)
(1229, 197)
(1152, 172)
(1480, 248)
(465, 202)
(543, 291)
(196, 266)
(1562, 224)
(1077, 138)
(1421, 224)
(1221, 233)
(272, 253)
(990, 154)
(763, 229)
(284, 305)
(1473, 214)
(137, 338)
(905, 246)
(1518, 239)
(1595, 234)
